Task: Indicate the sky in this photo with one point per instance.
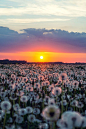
(54, 29)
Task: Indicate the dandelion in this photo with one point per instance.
(5, 105)
(43, 126)
(57, 91)
(31, 118)
(20, 93)
(51, 113)
(22, 111)
(75, 84)
(51, 102)
(51, 87)
(74, 103)
(66, 114)
(13, 97)
(10, 120)
(36, 111)
(37, 85)
(83, 123)
(64, 124)
(10, 126)
(80, 105)
(62, 76)
(24, 99)
(19, 119)
(76, 119)
(16, 107)
(2, 94)
(64, 102)
(29, 110)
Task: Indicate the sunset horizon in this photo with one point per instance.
(53, 29)
(55, 45)
(47, 57)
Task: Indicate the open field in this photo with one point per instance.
(42, 96)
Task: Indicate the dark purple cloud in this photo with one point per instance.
(42, 40)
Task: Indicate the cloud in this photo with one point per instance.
(42, 40)
(22, 21)
(47, 33)
(47, 8)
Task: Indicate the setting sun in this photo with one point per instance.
(41, 57)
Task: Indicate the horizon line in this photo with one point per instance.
(44, 62)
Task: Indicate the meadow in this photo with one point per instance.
(42, 96)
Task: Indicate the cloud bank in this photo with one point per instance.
(70, 8)
(45, 40)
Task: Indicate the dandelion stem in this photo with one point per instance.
(28, 124)
(4, 120)
(66, 107)
(51, 125)
(25, 104)
(62, 97)
(19, 100)
(43, 104)
(79, 110)
(13, 102)
(74, 108)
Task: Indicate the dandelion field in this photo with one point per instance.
(42, 96)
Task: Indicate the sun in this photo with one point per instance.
(41, 57)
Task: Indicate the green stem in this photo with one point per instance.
(13, 102)
(43, 104)
(4, 120)
(74, 108)
(79, 110)
(25, 104)
(19, 100)
(54, 125)
(51, 125)
(28, 124)
(62, 97)
(56, 99)
(66, 107)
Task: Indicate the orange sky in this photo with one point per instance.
(47, 57)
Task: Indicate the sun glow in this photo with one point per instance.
(47, 57)
(41, 57)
